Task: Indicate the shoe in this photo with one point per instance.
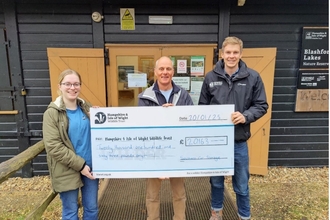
(216, 215)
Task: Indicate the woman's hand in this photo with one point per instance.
(95, 106)
(87, 172)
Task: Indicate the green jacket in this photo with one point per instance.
(63, 163)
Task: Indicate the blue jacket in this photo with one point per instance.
(246, 90)
(153, 97)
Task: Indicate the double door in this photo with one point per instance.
(131, 68)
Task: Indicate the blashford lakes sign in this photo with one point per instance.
(315, 47)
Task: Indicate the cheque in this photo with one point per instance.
(147, 142)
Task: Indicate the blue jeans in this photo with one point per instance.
(240, 183)
(89, 201)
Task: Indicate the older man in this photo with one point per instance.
(165, 93)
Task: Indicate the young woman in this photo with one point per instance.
(67, 138)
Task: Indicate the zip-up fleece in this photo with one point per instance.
(63, 163)
(246, 90)
(153, 97)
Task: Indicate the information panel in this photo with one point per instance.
(178, 141)
(313, 79)
(315, 47)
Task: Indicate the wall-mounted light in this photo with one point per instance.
(97, 17)
(160, 19)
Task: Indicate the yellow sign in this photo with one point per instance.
(127, 19)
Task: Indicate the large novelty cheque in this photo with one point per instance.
(147, 142)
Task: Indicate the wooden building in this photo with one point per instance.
(42, 36)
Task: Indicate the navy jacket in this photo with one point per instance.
(246, 90)
(153, 97)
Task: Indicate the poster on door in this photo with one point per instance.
(195, 88)
(181, 66)
(184, 82)
(197, 66)
(137, 80)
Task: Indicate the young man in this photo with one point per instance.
(165, 93)
(232, 82)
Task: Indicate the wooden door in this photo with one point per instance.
(142, 58)
(205, 50)
(134, 58)
(89, 63)
(263, 61)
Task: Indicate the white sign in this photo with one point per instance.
(151, 142)
(181, 66)
(184, 82)
(137, 80)
(195, 89)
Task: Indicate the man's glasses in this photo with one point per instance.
(68, 85)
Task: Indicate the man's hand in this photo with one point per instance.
(87, 172)
(167, 104)
(163, 178)
(238, 118)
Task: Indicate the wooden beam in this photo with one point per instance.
(40, 209)
(8, 167)
(14, 112)
(241, 2)
(224, 20)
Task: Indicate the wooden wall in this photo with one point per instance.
(45, 24)
(296, 139)
(8, 127)
(2, 18)
(196, 22)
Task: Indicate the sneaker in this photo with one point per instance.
(216, 215)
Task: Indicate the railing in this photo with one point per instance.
(14, 164)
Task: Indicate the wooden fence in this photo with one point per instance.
(16, 163)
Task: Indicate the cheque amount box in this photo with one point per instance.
(206, 141)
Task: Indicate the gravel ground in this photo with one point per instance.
(284, 193)
(289, 193)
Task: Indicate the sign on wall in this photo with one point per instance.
(313, 75)
(312, 100)
(127, 19)
(313, 79)
(315, 47)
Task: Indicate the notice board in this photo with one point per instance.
(314, 47)
(313, 74)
